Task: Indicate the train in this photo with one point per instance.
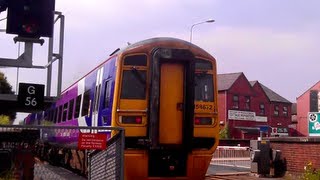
(163, 92)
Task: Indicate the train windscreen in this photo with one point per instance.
(204, 81)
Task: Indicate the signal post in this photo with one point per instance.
(33, 20)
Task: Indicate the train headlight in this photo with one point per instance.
(203, 121)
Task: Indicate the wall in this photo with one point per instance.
(222, 109)
(280, 121)
(303, 108)
(242, 88)
(260, 98)
(298, 152)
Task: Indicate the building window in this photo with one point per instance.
(285, 111)
(235, 104)
(247, 103)
(276, 110)
(262, 109)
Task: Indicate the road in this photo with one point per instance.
(218, 172)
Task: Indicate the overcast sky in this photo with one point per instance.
(272, 41)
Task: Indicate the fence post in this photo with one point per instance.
(122, 154)
(89, 165)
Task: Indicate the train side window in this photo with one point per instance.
(70, 113)
(77, 109)
(45, 115)
(40, 116)
(65, 111)
(49, 117)
(86, 103)
(59, 114)
(133, 84)
(96, 98)
(55, 115)
(107, 94)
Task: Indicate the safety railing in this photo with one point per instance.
(45, 152)
(232, 156)
(107, 164)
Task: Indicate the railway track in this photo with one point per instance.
(239, 176)
(231, 177)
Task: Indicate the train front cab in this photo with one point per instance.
(166, 103)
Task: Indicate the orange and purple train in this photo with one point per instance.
(163, 92)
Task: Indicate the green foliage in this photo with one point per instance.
(47, 123)
(6, 175)
(6, 88)
(4, 120)
(310, 173)
(224, 133)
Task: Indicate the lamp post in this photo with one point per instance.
(207, 21)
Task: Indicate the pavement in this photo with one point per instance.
(234, 172)
(46, 171)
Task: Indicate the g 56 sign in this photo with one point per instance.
(31, 96)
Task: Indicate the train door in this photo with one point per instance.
(171, 103)
(96, 99)
(171, 112)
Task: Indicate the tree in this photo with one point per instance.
(224, 133)
(6, 88)
(4, 120)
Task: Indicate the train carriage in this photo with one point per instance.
(163, 92)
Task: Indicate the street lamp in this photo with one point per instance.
(207, 21)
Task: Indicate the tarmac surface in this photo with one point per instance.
(218, 172)
(215, 172)
(44, 171)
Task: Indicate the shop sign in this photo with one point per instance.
(314, 123)
(242, 115)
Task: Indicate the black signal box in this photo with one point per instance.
(30, 18)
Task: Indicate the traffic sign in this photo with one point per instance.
(31, 96)
(264, 128)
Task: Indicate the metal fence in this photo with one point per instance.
(232, 156)
(50, 152)
(107, 164)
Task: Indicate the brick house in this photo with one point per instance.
(309, 101)
(245, 107)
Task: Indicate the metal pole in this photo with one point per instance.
(61, 55)
(208, 21)
(17, 83)
(49, 70)
(122, 154)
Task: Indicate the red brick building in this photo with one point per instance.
(309, 101)
(246, 106)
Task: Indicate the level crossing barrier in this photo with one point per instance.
(44, 152)
(232, 156)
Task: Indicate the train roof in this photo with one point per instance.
(158, 39)
(142, 43)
